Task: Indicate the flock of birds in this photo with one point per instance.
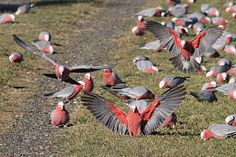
(147, 112)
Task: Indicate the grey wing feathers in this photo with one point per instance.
(99, 108)
(223, 130)
(147, 12)
(89, 68)
(28, 48)
(118, 79)
(224, 88)
(64, 93)
(212, 35)
(162, 34)
(169, 101)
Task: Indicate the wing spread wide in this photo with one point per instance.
(106, 112)
(167, 104)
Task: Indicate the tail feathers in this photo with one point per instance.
(185, 65)
(49, 95)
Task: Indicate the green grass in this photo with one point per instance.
(60, 21)
(88, 137)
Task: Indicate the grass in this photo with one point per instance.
(18, 81)
(88, 137)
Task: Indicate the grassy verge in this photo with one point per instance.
(90, 138)
(18, 81)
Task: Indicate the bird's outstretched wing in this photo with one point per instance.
(89, 68)
(69, 80)
(168, 38)
(106, 112)
(205, 39)
(163, 107)
(28, 48)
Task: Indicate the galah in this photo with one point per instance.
(178, 10)
(232, 79)
(231, 120)
(202, 69)
(222, 77)
(150, 12)
(219, 21)
(185, 22)
(231, 93)
(204, 95)
(138, 30)
(210, 85)
(72, 91)
(187, 54)
(144, 66)
(225, 61)
(62, 72)
(87, 83)
(219, 131)
(229, 4)
(60, 116)
(231, 9)
(111, 78)
(16, 57)
(134, 123)
(45, 36)
(205, 7)
(44, 46)
(181, 30)
(198, 27)
(172, 81)
(224, 40)
(7, 18)
(173, 2)
(225, 88)
(230, 49)
(170, 122)
(125, 92)
(216, 69)
(67, 93)
(23, 9)
(232, 71)
(154, 45)
(212, 12)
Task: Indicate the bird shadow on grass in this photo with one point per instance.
(177, 133)
(13, 7)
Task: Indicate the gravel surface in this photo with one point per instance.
(32, 135)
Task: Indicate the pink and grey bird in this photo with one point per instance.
(72, 91)
(219, 131)
(60, 116)
(144, 65)
(212, 12)
(187, 54)
(231, 9)
(219, 21)
(62, 72)
(217, 69)
(44, 46)
(154, 46)
(210, 85)
(111, 78)
(135, 123)
(230, 49)
(125, 92)
(172, 81)
(178, 10)
(23, 9)
(45, 36)
(204, 95)
(138, 30)
(16, 57)
(7, 18)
